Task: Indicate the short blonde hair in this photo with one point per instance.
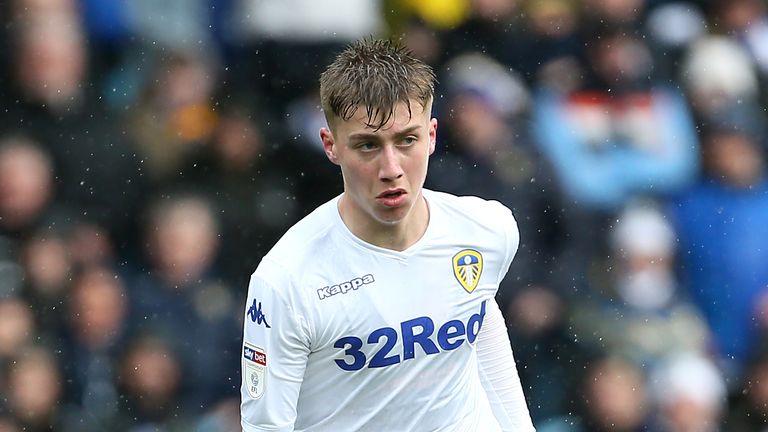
(375, 74)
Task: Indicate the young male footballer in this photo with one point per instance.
(376, 312)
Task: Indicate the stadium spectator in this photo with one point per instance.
(722, 250)
(243, 168)
(671, 28)
(150, 382)
(746, 22)
(176, 293)
(17, 327)
(35, 389)
(637, 307)
(688, 394)
(717, 74)
(174, 115)
(51, 99)
(621, 135)
(554, 44)
(94, 336)
(26, 185)
(613, 396)
(492, 28)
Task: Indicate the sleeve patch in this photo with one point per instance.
(254, 370)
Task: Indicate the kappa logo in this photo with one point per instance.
(256, 315)
(467, 267)
(344, 287)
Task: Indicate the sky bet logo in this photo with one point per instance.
(255, 355)
(418, 331)
(344, 287)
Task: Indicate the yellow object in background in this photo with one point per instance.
(440, 14)
(194, 122)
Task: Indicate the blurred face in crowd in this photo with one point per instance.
(617, 396)
(34, 384)
(384, 170)
(688, 415)
(733, 158)
(238, 141)
(738, 15)
(552, 18)
(47, 265)
(25, 183)
(180, 98)
(535, 311)
(183, 239)
(644, 242)
(481, 127)
(186, 81)
(150, 372)
(492, 10)
(620, 58)
(98, 307)
(51, 58)
(90, 245)
(423, 42)
(690, 393)
(16, 326)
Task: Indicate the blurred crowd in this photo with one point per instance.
(152, 151)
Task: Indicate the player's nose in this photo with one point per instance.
(389, 164)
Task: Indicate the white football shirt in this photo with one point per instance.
(342, 335)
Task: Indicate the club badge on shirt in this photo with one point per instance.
(467, 267)
(254, 369)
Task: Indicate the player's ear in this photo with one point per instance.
(326, 136)
(432, 135)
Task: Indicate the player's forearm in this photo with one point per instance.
(497, 369)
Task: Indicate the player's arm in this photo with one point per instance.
(274, 357)
(495, 360)
(498, 373)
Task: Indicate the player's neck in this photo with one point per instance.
(394, 236)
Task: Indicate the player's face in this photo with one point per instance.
(384, 170)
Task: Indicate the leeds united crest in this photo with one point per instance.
(467, 267)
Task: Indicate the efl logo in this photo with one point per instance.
(344, 287)
(255, 355)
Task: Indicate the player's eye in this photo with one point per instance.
(366, 146)
(410, 140)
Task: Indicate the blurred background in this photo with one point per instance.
(151, 151)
